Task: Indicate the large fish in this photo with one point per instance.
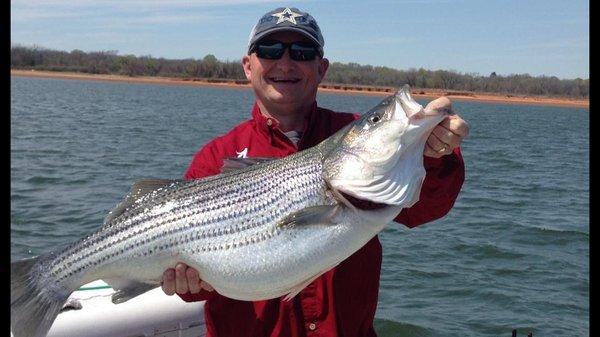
(262, 231)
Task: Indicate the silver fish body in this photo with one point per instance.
(230, 227)
(256, 233)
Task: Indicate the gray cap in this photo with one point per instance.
(287, 19)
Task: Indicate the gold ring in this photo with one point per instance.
(443, 149)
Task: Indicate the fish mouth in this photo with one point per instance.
(405, 102)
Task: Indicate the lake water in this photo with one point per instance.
(512, 254)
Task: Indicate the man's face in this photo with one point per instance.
(285, 81)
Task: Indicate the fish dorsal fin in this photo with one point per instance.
(315, 215)
(138, 190)
(233, 164)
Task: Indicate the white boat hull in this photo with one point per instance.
(150, 314)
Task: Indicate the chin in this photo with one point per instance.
(283, 96)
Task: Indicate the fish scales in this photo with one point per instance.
(208, 217)
(260, 232)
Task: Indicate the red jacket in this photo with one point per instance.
(342, 301)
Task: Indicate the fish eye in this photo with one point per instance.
(374, 119)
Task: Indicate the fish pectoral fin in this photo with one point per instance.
(315, 215)
(138, 190)
(128, 289)
(233, 164)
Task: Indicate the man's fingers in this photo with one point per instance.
(193, 280)
(453, 123)
(206, 286)
(445, 139)
(181, 284)
(168, 283)
(456, 125)
(448, 134)
(183, 279)
(436, 144)
(429, 152)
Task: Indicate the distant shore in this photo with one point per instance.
(324, 88)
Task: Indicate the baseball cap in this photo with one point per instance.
(287, 19)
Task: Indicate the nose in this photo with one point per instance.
(285, 63)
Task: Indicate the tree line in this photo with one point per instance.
(209, 67)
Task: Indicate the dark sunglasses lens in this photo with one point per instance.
(271, 51)
(303, 52)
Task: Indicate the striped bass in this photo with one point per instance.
(258, 232)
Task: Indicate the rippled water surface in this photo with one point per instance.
(512, 254)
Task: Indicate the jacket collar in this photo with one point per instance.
(270, 126)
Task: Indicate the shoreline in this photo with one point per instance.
(323, 88)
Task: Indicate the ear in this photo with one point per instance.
(322, 69)
(246, 66)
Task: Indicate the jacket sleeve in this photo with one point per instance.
(439, 191)
(206, 162)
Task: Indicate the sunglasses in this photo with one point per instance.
(274, 50)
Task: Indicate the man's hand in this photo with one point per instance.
(183, 279)
(447, 135)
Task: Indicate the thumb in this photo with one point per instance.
(440, 104)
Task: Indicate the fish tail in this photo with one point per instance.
(35, 300)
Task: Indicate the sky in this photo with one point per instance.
(535, 37)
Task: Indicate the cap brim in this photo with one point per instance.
(285, 28)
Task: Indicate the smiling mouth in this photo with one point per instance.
(284, 80)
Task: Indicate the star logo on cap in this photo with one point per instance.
(286, 15)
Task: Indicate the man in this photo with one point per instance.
(285, 65)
